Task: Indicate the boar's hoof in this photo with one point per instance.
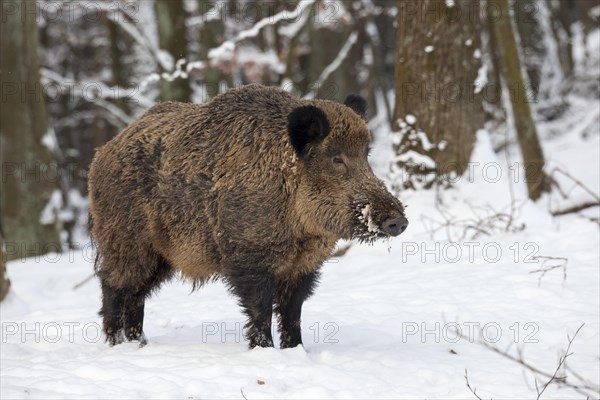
(261, 339)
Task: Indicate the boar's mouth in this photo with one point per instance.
(367, 227)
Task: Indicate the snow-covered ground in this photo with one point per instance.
(383, 323)
(386, 319)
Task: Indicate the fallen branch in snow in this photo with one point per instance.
(577, 183)
(576, 208)
(83, 282)
(473, 390)
(561, 362)
(485, 221)
(582, 386)
(565, 194)
(545, 269)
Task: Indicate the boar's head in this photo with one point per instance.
(338, 192)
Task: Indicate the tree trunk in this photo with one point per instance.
(438, 108)
(119, 46)
(170, 20)
(4, 281)
(532, 41)
(510, 67)
(211, 35)
(561, 26)
(29, 175)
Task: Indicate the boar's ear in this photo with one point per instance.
(357, 103)
(307, 125)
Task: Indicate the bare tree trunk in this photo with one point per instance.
(4, 281)
(211, 35)
(510, 67)
(438, 108)
(532, 41)
(170, 19)
(561, 25)
(28, 173)
(120, 45)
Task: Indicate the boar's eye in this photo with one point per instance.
(339, 166)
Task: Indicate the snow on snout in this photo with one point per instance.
(367, 219)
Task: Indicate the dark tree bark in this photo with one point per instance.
(4, 281)
(211, 35)
(170, 19)
(120, 46)
(510, 67)
(438, 109)
(561, 26)
(532, 41)
(28, 171)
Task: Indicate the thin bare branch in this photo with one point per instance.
(473, 390)
(544, 269)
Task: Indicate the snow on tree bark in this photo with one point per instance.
(438, 107)
(170, 18)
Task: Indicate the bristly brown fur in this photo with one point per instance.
(219, 190)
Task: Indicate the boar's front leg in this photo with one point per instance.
(291, 294)
(255, 287)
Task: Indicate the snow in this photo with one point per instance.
(51, 209)
(229, 45)
(383, 321)
(382, 324)
(482, 78)
(429, 49)
(367, 219)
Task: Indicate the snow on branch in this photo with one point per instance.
(97, 92)
(115, 14)
(229, 45)
(335, 64)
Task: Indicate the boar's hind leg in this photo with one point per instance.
(133, 310)
(123, 307)
(255, 288)
(290, 297)
(133, 318)
(112, 305)
(123, 315)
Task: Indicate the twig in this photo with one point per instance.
(471, 228)
(576, 181)
(474, 391)
(83, 282)
(582, 387)
(575, 208)
(561, 362)
(545, 269)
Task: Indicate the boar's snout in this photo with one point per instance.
(394, 226)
